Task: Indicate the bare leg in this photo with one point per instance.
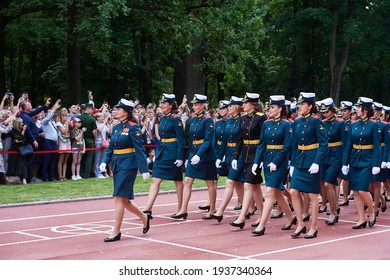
(179, 193)
(153, 192)
(187, 191)
(246, 203)
(258, 198)
(305, 204)
(332, 199)
(239, 188)
(212, 188)
(297, 202)
(227, 196)
(314, 206)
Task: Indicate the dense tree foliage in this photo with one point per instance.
(62, 48)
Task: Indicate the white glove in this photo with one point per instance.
(288, 164)
(234, 164)
(102, 167)
(388, 165)
(195, 160)
(314, 168)
(223, 159)
(218, 163)
(145, 175)
(261, 165)
(178, 162)
(291, 170)
(375, 170)
(254, 168)
(186, 163)
(345, 170)
(272, 166)
(383, 165)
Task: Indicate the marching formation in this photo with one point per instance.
(306, 149)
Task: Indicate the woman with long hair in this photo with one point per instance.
(127, 154)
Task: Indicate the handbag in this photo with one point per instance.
(26, 150)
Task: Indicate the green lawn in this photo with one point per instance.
(87, 188)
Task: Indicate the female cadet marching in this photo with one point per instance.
(219, 146)
(249, 138)
(308, 152)
(362, 159)
(169, 153)
(273, 151)
(127, 154)
(346, 111)
(235, 178)
(378, 179)
(200, 157)
(335, 129)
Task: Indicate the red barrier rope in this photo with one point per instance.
(67, 151)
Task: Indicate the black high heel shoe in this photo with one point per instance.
(240, 225)
(112, 239)
(260, 232)
(345, 203)
(148, 213)
(307, 218)
(255, 224)
(293, 222)
(372, 223)
(335, 220)
(322, 210)
(238, 207)
(277, 216)
(180, 216)
(297, 234)
(207, 207)
(146, 229)
(360, 226)
(310, 236)
(218, 218)
(384, 208)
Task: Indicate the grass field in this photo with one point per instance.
(87, 188)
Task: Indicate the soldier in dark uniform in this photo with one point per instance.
(127, 154)
(235, 178)
(272, 153)
(248, 141)
(335, 129)
(308, 153)
(200, 163)
(378, 179)
(386, 118)
(346, 111)
(219, 145)
(169, 153)
(362, 159)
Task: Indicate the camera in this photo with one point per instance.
(9, 93)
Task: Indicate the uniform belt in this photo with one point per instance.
(382, 144)
(219, 142)
(275, 147)
(168, 140)
(308, 147)
(231, 144)
(335, 144)
(251, 142)
(363, 147)
(197, 142)
(124, 151)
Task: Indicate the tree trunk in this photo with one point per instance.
(74, 69)
(337, 68)
(187, 79)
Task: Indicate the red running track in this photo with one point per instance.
(75, 231)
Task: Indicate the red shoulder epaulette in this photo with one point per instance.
(174, 115)
(352, 121)
(382, 121)
(206, 116)
(338, 119)
(315, 116)
(286, 120)
(131, 123)
(371, 120)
